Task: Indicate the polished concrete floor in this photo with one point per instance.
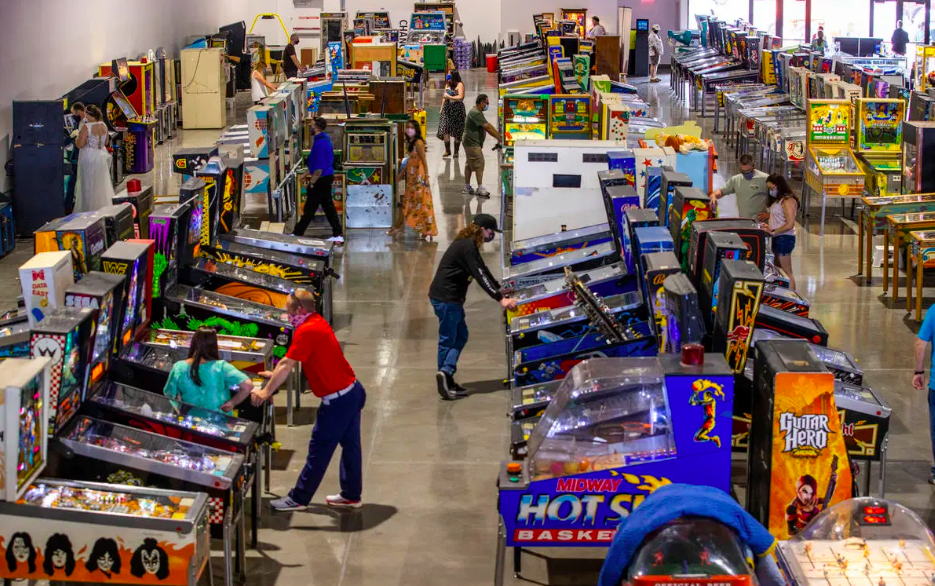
(430, 466)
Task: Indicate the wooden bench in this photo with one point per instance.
(872, 220)
(898, 227)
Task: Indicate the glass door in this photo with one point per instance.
(884, 21)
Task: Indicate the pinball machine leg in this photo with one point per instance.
(517, 561)
(860, 242)
(256, 497)
(867, 478)
(210, 570)
(919, 263)
(242, 541)
(228, 562)
(824, 201)
(883, 449)
(500, 555)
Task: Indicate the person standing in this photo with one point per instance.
(204, 380)
(452, 115)
(258, 84)
(750, 187)
(418, 210)
(899, 39)
(925, 337)
(597, 29)
(782, 205)
(78, 111)
(95, 189)
(475, 129)
(820, 43)
(320, 176)
(460, 264)
(290, 62)
(332, 380)
(655, 53)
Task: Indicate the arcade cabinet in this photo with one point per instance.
(918, 161)
(682, 316)
(133, 261)
(103, 294)
(24, 424)
(797, 463)
(639, 60)
(740, 286)
(38, 143)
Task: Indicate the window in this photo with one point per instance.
(764, 15)
(841, 18)
(566, 180)
(727, 10)
(594, 158)
(542, 157)
(793, 16)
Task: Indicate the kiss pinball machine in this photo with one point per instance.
(791, 325)
(861, 539)
(24, 423)
(797, 464)
(133, 261)
(740, 287)
(617, 428)
(66, 337)
(239, 282)
(682, 317)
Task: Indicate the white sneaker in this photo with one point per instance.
(337, 239)
(336, 500)
(481, 192)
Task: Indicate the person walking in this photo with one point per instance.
(899, 39)
(750, 187)
(925, 337)
(320, 176)
(290, 62)
(452, 115)
(337, 423)
(597, 29)
(418, 211)
(460, 264)
(655, 53)
(475, 129)
(95, 189)
(782, 205)
(258, 84)
(204, 380)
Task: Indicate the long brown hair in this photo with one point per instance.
(204, 348)
(782, 191)
(473, 232)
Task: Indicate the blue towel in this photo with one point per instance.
(669, 503)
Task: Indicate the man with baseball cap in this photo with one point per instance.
(460, 264)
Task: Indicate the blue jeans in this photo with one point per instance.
(452, 334)
(338, 423)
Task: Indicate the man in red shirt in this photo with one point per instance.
(342, 396)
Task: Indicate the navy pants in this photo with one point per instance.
(452, 334)
(337, 424)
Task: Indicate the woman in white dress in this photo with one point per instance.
(95, 189)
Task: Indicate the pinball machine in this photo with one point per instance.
(241, 283)
(784, 299)
(791, 325)
(877, 140)
(569, 117)
(670, 180)
(134, 262)
(747, 229)
(606, 281)
(84, 236)
(538, 247)
(301, 245)
(689, 205)
(918, 169)
(740, 288)
(682, 317)
(14, 337)
(656, 267)
(545, 269)
(625, 234)
(719, 246)
(370, 172)
(118, 223)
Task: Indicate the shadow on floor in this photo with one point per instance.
(324, 518)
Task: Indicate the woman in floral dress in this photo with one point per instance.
(418, 211)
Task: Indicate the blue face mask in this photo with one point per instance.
(486, 106)
(749, 174)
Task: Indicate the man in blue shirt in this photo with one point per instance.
(320, 176)
(926, 336)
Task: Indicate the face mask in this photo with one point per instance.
(297, 320)
(489, 238)
(773, 192)
(748, 174)
(410, 132)
(486, 106)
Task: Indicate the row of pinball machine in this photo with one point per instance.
(656, 344)
(102, 477)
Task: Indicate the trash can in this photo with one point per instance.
(491, 62)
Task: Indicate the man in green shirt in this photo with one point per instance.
(750, 187)
(475, 128)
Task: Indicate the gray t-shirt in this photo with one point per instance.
(751, 193)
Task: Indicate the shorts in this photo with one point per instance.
(654, 59)
(475, 159)
(783, 245)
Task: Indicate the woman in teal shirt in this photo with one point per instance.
(204, 380)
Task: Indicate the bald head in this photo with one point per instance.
(300, 302)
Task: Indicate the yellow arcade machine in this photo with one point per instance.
(831, 169)
(877, 139)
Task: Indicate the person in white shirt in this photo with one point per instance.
(655, 52)
(597, 29)
(258, 83)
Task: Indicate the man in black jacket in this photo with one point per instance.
(899, 39)
(460, 264)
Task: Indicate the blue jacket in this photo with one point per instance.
(669, 503)
(321, 157)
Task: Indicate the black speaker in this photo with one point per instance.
(39, 190)
(38, 122)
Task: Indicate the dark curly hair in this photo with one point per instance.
(136, 562)
(102, 546)
(58, 541)
(11, 562)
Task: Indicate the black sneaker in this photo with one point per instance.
(444, 390)
(458, 389)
